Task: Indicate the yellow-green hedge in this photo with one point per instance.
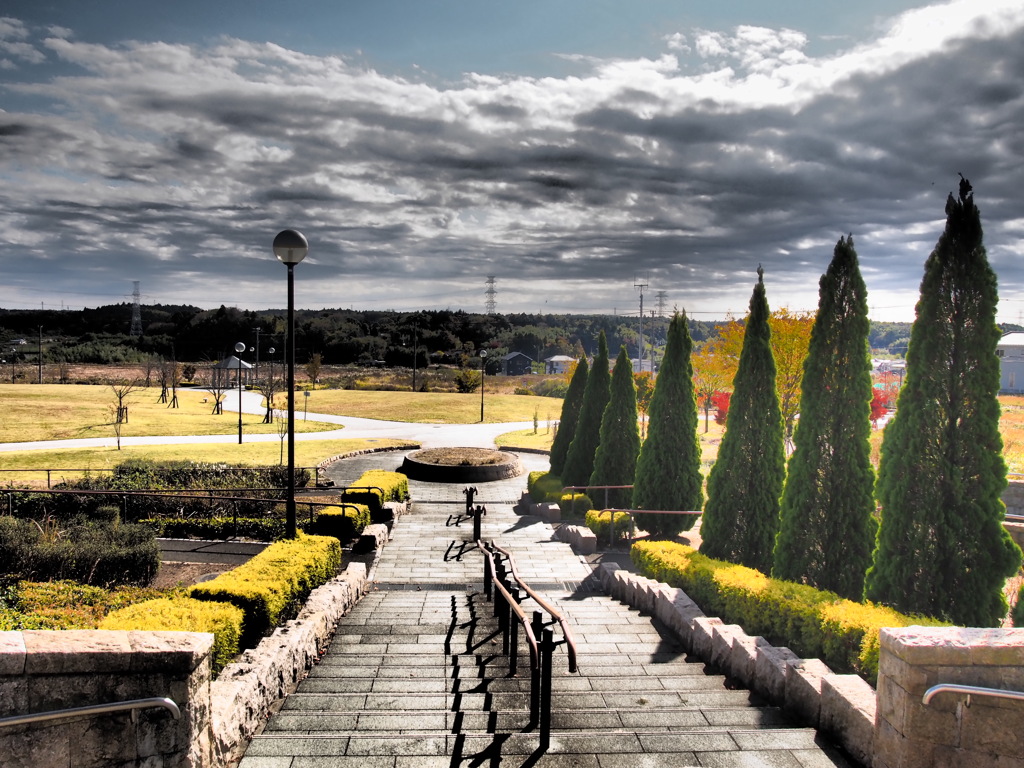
(811, 622)
(343, 523)
(543, 486)
(183, 614)
(600, 522)
(273, 583)
(395, 487)
(574, 504)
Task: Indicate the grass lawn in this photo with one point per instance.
(307, 454)
(431, 407)
(70, 411)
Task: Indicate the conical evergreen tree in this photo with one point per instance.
(741, 518)
(942, 549)
(579, 461)
(827, 528)
(615, 459)
(668, 470)
(570, 416)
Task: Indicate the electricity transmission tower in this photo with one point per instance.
(491, 304)
(641, 283)
(136, 329)
(660, 297)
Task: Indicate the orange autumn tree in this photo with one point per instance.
(791, 336)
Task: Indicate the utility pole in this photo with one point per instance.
(39, 354)
(257, 363)
(641, 283)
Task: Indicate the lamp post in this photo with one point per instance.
(239, 349)
(291, 247)
(483, 371)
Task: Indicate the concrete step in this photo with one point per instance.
(767, 747)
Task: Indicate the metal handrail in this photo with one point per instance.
(513, 605)
(970, 690)
(543, 603)
(95, 709)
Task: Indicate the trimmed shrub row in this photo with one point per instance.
(270, 587)
(574, 504)
(344, 522)
(185, 614)
(811, 622)
(258, 529)
(394, 486)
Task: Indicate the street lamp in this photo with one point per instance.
(291, 247)
(239, 349)
(483, 371)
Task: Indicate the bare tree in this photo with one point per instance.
(218, 387)
(165, 373)
(121, 391)
(268, 385)
(174, 375)
(313, 368)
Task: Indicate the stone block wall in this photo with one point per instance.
(953, 730)
(43, 671)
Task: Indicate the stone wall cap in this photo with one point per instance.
(12, 653)
(76, 651)
(955, 645)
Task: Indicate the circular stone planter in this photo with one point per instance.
(461, 465)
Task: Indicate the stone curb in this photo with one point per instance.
(841, 705)
(365, 451)
(242, 695)
(582, 539)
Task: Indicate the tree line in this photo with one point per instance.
(344, 336)
(925, 536)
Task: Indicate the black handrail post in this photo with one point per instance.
(547, 647)
(513, 639)
(487, 577)
(478, 513)
(535, 674)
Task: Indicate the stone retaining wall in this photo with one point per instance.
(840, 705)
(49, 670)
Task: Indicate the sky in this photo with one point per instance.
(573, 150)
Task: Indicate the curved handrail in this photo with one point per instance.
(970, 690)
(95, 709)
(531, 640)
(543, 603)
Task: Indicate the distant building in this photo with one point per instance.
(516, 364)
(642, 365)
(1010, 351)
(558, 364)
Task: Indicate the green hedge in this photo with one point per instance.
(600, 522)
(394, 485)
(256, 528)
(343, 523)
(544, 486)
(96, 554)
(183, 614)
(811, 622)
(270, 587)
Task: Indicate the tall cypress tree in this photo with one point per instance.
(579, 461)
(741, 518)
(668, 470)
(570, 417)
(827, 528)
(942, 549)
(615, 459)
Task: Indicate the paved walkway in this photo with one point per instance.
(415, 676)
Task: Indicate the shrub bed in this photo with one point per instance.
(270, 587)
(811, 622)
(257, 529)
(94, 554)
(184, 614)
(63, 604)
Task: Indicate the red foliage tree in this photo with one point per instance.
(879, 404)
(720, 400)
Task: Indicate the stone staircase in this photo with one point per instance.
(416, 677)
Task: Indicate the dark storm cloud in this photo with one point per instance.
(175, 165)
